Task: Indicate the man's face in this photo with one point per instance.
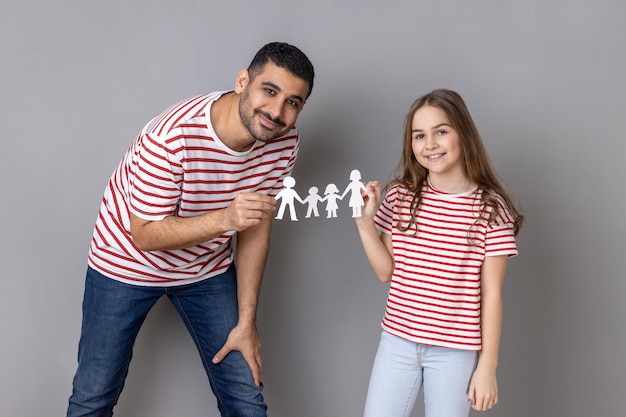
(271, 102)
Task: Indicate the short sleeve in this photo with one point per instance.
(155, 179)
(500, 237)
(384, 216)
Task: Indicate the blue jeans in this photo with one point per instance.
(113, 313)
(400, 369)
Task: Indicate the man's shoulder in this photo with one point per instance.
(187, 112)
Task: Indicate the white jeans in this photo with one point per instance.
(400, 369)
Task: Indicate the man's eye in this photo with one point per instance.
(292, 103)
(270, 91)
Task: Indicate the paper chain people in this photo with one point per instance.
(287, 197)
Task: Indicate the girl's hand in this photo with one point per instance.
(483, 390)
(371, 197)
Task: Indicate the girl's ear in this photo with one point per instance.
(243, 78)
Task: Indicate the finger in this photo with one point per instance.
(484, 403)
(471, 394)
(377, 190)
(255, 368)
(255, 211)
(260, 214)
(492, 401)
(260, 208)
(477, 404)
(256, 375)
(221, 354)
(258, 197)
(259, 362)
(370, 190)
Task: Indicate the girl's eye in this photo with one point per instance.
(441, 132)
(419, 136)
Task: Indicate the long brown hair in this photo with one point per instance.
(476, 165)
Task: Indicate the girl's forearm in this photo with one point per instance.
(376, 251)
(491, 318)
(492, 279)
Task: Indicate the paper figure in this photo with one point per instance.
(355, 187)
(332, 195)
(287, 196)
(311, 200)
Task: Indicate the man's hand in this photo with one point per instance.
(245, 339)
(247, 210)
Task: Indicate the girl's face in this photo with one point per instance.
(436, 145)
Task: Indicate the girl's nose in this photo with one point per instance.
(431, 142)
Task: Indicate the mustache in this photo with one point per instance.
(269, 116)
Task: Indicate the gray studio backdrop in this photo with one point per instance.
(545, 83)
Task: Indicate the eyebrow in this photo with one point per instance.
(434, 127)
(277, 88)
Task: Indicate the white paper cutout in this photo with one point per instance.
(332, 195)
(355, 187)
(312, 199)
(288, 195)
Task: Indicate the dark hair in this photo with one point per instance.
(285, 56)
(476, 164)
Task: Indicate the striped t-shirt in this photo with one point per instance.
(434, 296)
(177, 166)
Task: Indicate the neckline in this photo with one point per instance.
(461, 194)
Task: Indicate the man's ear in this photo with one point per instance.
(243, 78)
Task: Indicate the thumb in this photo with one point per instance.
(472, 393)
(221, 354)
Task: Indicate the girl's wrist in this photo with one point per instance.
(364, 222)
(487, 363)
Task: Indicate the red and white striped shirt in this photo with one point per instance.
(177, 166)
(434, 296)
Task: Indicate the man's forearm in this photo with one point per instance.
(177, 232)
(252, 250)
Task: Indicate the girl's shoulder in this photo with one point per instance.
(396, 191)
(396, 187)
(495, 202)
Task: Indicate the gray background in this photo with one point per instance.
(543, 79)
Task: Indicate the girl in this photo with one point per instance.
(447, 228)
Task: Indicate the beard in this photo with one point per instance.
(258, 131)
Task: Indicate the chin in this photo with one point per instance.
(270, 136)
(264, 140)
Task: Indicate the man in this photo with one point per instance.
(199, 173)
